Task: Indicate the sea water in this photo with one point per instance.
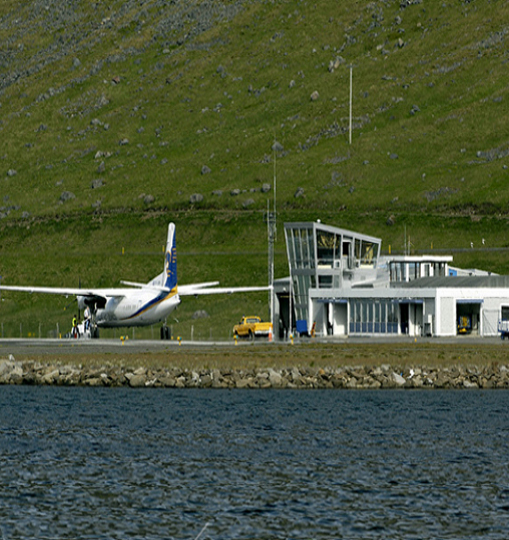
(93, 463)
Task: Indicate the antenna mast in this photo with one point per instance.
(350, 126)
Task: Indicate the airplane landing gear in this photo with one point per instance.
(165, 332)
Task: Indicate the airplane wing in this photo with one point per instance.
(193, 290)
(183, 290)
(103, 293)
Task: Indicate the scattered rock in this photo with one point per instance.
(334, 64)
(397, 379)
(299, 193)
(277, 147)
(205, 170)
(137, 381)
(200, 314)
(67, 196)
(196, 198)
(441, 192)
(314, 96)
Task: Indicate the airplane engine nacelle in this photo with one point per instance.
(93, 302)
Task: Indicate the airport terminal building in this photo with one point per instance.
(340, 285)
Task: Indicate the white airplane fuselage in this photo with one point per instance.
(139, 308)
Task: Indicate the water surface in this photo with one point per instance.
(121, 463)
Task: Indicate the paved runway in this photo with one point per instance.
(22, 346)
(43, 347)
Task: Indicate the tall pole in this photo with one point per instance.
(350, 130)
(271, 231)
(270, 236)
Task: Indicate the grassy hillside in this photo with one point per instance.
(117, 117)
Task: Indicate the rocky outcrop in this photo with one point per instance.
(344, 377)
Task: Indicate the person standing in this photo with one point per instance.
(87, 315)
(75, 329)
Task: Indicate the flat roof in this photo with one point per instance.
(418, 258)
(467, 282)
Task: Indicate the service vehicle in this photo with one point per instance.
(252, 327)
(464, 324)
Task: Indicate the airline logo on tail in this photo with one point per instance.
(170, 262)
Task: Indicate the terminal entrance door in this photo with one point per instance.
(411, 318)
(404, 318)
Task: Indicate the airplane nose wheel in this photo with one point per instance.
(165, 332)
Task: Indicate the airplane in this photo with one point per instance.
(141, 304)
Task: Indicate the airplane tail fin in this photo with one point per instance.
(170, 259)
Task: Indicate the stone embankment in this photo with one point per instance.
(347, 377)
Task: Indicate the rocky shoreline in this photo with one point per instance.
(383, 376)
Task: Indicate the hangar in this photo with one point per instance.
(340, 285)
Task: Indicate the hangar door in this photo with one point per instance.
(468, 316)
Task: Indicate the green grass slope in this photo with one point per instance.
(117, 117)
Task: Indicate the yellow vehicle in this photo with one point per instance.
(251, 327)
(464, 324)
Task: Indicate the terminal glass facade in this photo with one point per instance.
(300, 244)
(326, 257)
(370, 316)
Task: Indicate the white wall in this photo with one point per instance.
(447, 325)
(429, 315)
(490, 314)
